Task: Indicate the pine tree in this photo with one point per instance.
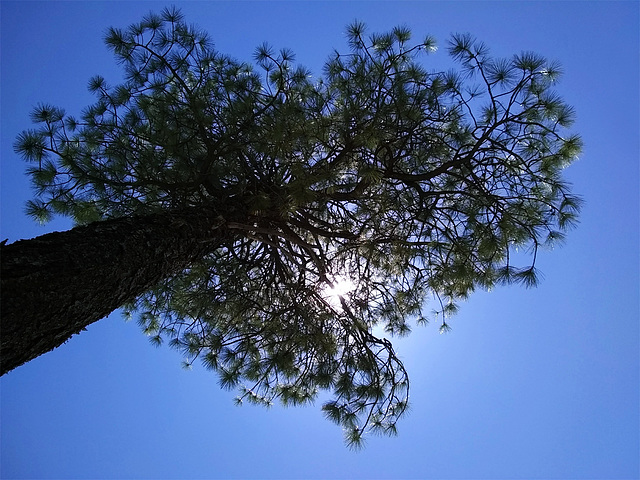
(221, 202)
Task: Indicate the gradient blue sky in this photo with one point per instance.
(540, 383)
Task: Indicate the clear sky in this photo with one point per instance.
(540, 383)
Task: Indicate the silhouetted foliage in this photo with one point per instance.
(416, 186)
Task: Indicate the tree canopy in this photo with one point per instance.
(410, 186)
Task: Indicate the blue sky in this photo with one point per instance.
(540, 383)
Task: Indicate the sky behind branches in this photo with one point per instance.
(540, 383)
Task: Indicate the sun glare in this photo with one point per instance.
(341, 286)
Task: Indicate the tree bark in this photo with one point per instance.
(55, 285)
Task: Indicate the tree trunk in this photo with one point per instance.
(55, 285)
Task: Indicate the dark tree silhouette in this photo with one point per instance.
(221, 202)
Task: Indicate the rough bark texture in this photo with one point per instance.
(55, 285)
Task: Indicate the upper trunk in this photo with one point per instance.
(55, 285)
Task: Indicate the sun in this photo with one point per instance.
(341, 286)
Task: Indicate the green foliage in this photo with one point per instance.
(414, 184)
